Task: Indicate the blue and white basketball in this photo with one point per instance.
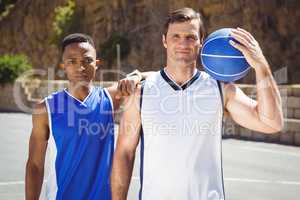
(220, 59)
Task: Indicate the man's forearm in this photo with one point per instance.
(33, 182)
(268, 97)
(121, 175)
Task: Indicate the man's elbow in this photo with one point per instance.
(275, 128)
(33, 168)
(124, 156)
(279, 126)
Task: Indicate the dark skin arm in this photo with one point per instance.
(37, 150)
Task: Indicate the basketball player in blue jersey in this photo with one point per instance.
(76, 125)
(177, 115)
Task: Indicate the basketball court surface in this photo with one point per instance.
(252, 170)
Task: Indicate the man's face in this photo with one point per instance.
(79, 62)
(182, 41)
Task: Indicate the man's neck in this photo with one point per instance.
(80, 91)
(181, 73)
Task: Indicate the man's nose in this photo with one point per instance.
(81, 67)
(183, 42)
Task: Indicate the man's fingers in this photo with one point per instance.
(242, 34)
(131, 86)
(125, 91)
(250, 39)
(123, 88)
(246, 32)
(237, 45)
(128, 86)
(240, 39)
(119, 85)
(118, 95)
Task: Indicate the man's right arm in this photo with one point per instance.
(37, 150)
(128, 138)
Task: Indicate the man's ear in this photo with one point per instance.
(201, 42)
(61, 65)
(98, 61)
(164, 41)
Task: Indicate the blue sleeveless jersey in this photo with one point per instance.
(80, 145)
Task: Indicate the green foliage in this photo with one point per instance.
(5, 6)
(12, 66)
(64, 17)
(108, 50)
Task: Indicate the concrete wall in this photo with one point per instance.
(290, 95)
(32, 91)
(21, 96)
(13, 98)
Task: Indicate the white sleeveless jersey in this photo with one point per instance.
(181, 139)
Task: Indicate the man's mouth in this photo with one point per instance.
(183, 52)
(81, 76)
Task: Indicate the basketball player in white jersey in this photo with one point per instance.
(178, 113)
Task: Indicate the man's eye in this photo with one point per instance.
(71, 62)
(89, 60)
(191, 38)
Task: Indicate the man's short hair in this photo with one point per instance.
(183, 15)
(76, 38)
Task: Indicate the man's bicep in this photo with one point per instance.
(115, 96)
(40, 124)
(39, 134)
(238, 103)
(240, 107)
(243, 109)
(130, 124)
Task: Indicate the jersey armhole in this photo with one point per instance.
(51, 184)
(221, 90)
(110, 99)
(141, 145)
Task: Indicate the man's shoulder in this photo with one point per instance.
(40, 106)
(55, 94)
(155, 75)
(205, 76)
(40, 111)
(154, 79)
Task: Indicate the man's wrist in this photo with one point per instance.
(263, 70)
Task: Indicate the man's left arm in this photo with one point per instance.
(126, 86)
(264, 114)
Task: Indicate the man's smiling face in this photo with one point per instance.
(182, 41)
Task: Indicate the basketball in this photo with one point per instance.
(220, 59)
